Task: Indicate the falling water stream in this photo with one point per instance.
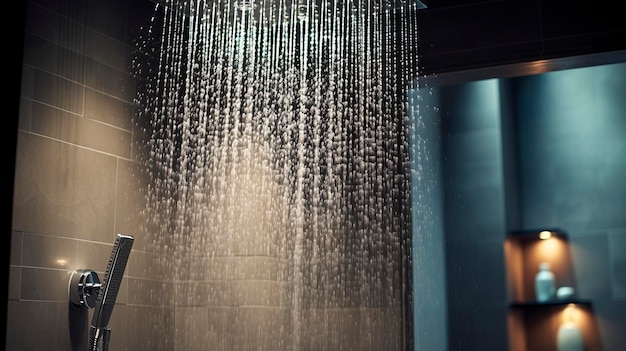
(274, 137)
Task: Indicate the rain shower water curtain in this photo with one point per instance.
(274, 139)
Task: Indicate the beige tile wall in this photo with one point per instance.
(76, 186)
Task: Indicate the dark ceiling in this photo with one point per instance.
(466, 34)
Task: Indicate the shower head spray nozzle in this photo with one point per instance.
(298, 9)
(108, 291)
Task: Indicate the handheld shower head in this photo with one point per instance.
(109, 289)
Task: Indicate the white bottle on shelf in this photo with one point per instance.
(544, 283)
(569, 338)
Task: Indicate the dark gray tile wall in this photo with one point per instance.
(572, 128)
(474, 210)
(428, 255)
(463, 35)
(590, 260)
(571, 132)
(563, 137)
(617, 245)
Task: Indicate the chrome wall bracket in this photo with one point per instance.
(84, 288)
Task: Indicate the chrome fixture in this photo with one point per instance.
(84, 288)
(86, 292)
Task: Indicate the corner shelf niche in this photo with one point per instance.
(534, 325)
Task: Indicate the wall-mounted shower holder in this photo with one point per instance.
(84, 288)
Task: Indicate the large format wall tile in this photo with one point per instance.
(59, 92)
(617, 247)
(49, 25)
(590, 259)
(130, 204)
(108, 110)
(44, 55)
(48, 251)
(63, 190)
(37, 326)
(109, 80)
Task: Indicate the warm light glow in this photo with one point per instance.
(537, 67)
(550, 249)
(62, 262)
(570, 314)
(546, 234)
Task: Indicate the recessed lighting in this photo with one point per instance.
(545, 234)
